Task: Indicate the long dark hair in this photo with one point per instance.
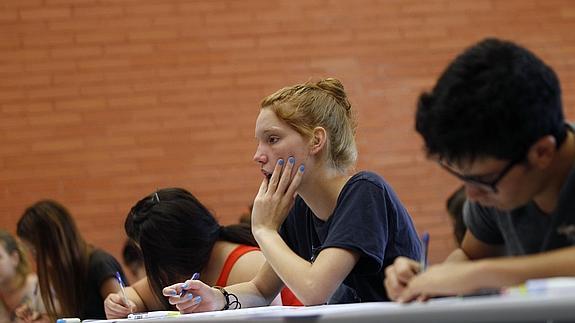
(176, 234)
(62, 256)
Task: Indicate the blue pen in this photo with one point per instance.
(194, 277)
(122, 287)
(425, 248)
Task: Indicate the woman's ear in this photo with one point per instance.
(318, 140)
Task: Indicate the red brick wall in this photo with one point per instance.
(103, 101)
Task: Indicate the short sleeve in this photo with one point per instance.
(104, 266)
(359, 223)
(481, 222)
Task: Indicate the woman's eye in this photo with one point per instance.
(273, 140)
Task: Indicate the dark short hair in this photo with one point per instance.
(496, 99)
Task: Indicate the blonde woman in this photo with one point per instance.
(326, 233)
(18, 285)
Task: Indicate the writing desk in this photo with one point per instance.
(529, 308)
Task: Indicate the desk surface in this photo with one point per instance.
(528, 308)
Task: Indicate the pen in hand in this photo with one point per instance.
(34, 303)
(122, 290)
(194, 277)
(31, 312)
(425, 248)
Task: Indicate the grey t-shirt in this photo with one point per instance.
(526, 230)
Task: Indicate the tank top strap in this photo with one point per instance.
(230, 262)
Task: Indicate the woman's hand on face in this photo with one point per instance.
(194, 296)
(276, 196)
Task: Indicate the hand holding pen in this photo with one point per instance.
(29, 311)
(115, 306)
(403, 270)
(118, 305)
(183, 292)
(187, 296)
(449, 278)
(122, 287)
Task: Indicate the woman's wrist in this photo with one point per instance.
(262, 233)
(230, 301)
(219, 299)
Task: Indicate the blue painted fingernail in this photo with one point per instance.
(291, 160)
(302, 168)
(280, 162)
(198, 299)
(190, 295)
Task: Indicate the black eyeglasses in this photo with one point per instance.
(478, 182)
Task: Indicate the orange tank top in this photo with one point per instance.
(288, 298)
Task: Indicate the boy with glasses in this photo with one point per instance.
(495, 121)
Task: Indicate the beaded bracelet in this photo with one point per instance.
(231, 299)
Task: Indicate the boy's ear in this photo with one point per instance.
(542, 152)
(318, 141)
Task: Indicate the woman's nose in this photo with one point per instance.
(260, 157)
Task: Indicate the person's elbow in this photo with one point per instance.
(313, 301)
(314, 293)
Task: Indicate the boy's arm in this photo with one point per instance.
(474, 249)
(403, 270)
(466, 277)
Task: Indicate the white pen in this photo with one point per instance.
(151, 315)
(34, 302)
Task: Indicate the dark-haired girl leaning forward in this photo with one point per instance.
(179, 237)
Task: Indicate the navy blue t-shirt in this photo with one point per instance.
(368, 219)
